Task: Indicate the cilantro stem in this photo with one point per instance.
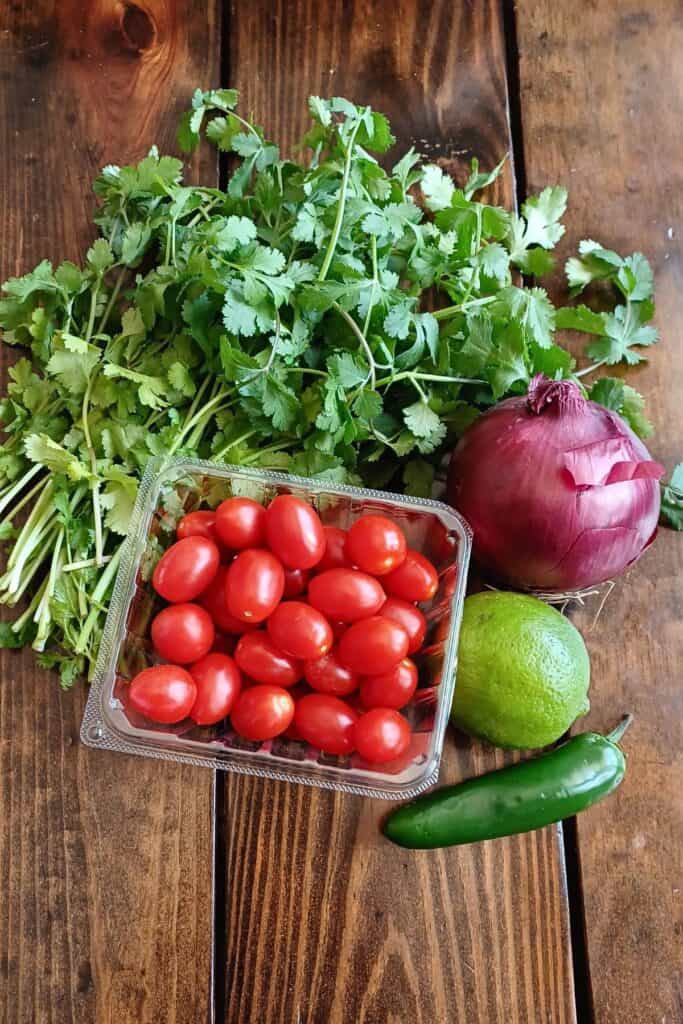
(448, 311)
(238, 440)
(334, 238)
(24, 501)
(210, 405)
(590, 369)
(21, 621)
(112, 299)
(435, 378)
(95, 486)
(93, 308)
(363, 341)
(29, 570)
(19, 485)
(85, 563)
(99, 593)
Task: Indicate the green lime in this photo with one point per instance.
(523, 671)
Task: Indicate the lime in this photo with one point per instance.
(523, 671)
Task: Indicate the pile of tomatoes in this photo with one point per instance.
(287, 626)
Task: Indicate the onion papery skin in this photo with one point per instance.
(559, 491)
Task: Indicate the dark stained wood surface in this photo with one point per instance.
(602, 104)
(326, 923)
(105, 861)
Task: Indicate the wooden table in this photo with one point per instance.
(135, 891)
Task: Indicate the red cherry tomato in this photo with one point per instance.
(198, 524)
(393, 689)
(215, 600)
(381, 735)
(240, 523)
(328, 675)
(183, 633)
(224, 644)
(186, 569)
(257, 655)
(294, 532)
(218, 683)
(373, 646)
(334, 556)
(296, 581)
(375, 545)
(163, 693)
(326, 722)
(408, 616)
(300, 631)
(346, 594)
(254, 585)
(415, 579)
(262, 712)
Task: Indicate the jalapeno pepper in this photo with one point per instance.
(519, 798)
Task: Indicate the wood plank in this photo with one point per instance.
(325, 921)
(602, 102)
(105, 861)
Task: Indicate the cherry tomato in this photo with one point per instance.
(300, 631)
(373, 646)
(257, 655)
(375, 545)
(183, 633)
(163, 693)
(334, 556)
(223, 644)
(186, 569)
(262, 712)
(326, 722)
(240, 523)
(381, 735)
(215, 600)
(254, 585)
(408, 616)
(198, 524)
(218, 683)
(392, 689)
(415, 579)
(294, 532)
(296, 581)
(328, 675)
(346, 594)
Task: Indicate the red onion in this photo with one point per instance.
(559, 491)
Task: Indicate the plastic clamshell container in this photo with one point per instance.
(168, 490)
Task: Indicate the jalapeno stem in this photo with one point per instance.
(616, 734)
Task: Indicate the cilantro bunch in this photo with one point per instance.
(324, 316)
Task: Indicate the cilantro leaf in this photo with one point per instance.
(672, 499)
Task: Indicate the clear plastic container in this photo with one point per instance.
(171, 488)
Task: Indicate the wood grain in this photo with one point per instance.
(326, 923)
(602, 102)
(105, 861)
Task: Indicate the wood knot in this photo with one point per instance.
(138, 30)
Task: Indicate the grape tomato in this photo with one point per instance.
(326, 722)
(381, 735)
(296, 581)
(197, 524)
(254, 585)
(218, 683)
(262, 712)
(163, 693)
(373, 645)
(393, 689)
(300, 630)
(240, 523)
(215, 600)
(408, 616)
(294, 532)
(346, 595)
(328, 675)
(415, 579)
(376, 545)
(182, 633)
(186, 568)
(334, 556)
(257, 655)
